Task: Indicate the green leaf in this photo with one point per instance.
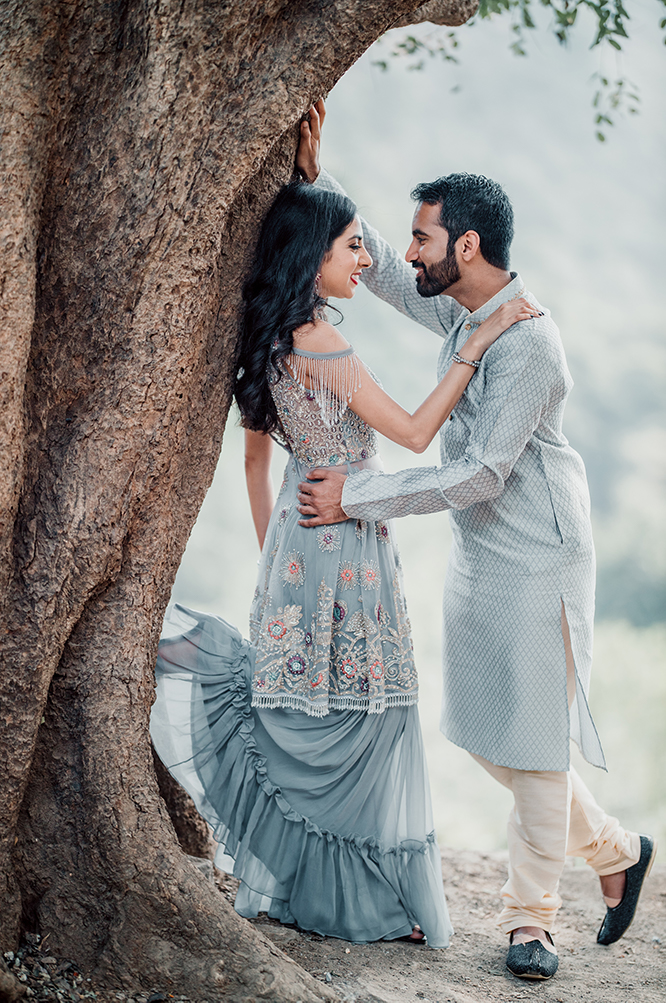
(610, 20)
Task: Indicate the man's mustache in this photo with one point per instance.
(419, 264)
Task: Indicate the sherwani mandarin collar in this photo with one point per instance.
(467, 321)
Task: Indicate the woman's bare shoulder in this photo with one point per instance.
(319, 336)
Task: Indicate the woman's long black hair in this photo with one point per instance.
(280, 294)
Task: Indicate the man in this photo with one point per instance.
(519, 590)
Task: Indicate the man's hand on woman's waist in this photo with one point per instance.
(320, 497)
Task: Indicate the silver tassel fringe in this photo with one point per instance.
(332, 381)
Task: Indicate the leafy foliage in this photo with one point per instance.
(612, 96)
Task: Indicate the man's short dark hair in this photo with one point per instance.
(472, 202)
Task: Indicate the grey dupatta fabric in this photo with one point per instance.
(522, 541)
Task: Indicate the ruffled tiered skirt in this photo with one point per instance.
(326, 821)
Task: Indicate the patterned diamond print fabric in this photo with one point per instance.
(519, 507)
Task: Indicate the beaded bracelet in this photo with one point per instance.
(458, 358)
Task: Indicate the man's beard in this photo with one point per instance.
(438, 277)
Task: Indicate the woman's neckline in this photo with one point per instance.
(323, 355)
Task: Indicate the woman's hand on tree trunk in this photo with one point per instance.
(307, 156)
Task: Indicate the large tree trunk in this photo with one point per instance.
(142, 141)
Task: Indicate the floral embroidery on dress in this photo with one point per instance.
(276, 630)
(377, 670)
(338, 658)
(280, 628)
(292, 569)
(347, 644)
(348, 667)
(296, 665)
(369, 575)
(347, 575)
(340, 610)
(382, 532)
(328, 539)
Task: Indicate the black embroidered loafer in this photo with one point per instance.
(618, 919)
(532, 960)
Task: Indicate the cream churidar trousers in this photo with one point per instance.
(554, 816)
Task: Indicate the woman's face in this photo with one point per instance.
(342, 266)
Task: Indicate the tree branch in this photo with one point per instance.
(448, 12)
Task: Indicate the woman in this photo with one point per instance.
(303, 750)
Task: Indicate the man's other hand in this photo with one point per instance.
(307, 157)
(320, 497)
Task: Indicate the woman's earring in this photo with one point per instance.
(317, 283)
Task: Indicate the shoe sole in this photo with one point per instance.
(640, 890)
(645, 877)
(531, 978)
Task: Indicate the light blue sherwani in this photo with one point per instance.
(522, 540)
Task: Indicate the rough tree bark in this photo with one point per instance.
(439, 12)
(141, 142)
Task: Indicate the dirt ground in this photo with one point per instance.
(472, 969)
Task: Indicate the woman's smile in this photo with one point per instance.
(347, 250)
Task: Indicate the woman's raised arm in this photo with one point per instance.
(416, 431)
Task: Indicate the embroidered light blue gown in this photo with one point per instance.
(303, 748)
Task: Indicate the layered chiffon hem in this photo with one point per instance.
(325, 821)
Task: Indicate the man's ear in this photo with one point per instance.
(468, 245)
